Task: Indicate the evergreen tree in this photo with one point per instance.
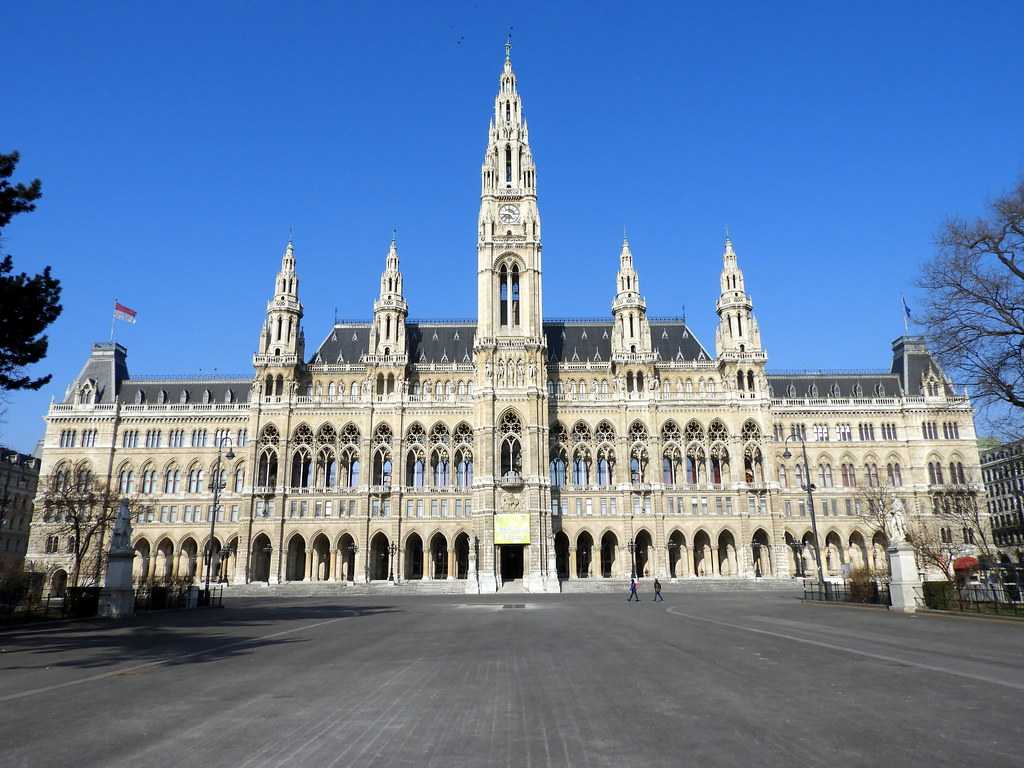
(28, 303)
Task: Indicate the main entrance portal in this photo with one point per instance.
(511, 561)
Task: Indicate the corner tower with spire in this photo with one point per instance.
(282, 334)
(282, 342)
(738, 338)
(390, 310)
(631, 336)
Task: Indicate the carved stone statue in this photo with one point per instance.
(120, 539)
(896, 523)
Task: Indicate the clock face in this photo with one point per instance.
(509, 214)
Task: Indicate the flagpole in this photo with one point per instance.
(113, 321)
(906, 324)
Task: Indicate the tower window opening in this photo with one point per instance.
(631, 325)
(508, 111)
(279, 329)
(387, 325)
(503, 294)
(508, 165)
(515, 294)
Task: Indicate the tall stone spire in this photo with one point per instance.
(508, 241)
(387, 334)
(738, 338)
(282, 334)
(632, 333)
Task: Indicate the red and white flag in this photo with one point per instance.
(121, 312)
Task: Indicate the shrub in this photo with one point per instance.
(862, 586)
(938, 595)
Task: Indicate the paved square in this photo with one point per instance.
(528, 680)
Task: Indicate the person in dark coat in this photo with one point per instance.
(657, 591)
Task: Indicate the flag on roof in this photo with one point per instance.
(121, 312)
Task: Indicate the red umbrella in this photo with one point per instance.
(965, 563)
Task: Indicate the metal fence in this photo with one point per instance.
(157, 598)
(998, 590)
(83, 602)
(866, 593)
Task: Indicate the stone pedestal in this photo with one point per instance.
(904, 580)
(117, 598)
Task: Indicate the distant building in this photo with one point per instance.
(19, 475)
(1002, 469)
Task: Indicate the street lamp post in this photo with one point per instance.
(352, 548)
(632, 559)
(810, 504)
(218, 484)
(392, 550)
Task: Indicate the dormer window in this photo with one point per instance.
(162, 397)
(183, 398)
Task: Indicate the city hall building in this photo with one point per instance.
(507, 448)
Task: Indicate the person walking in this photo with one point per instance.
(632, 591)
(657, 591)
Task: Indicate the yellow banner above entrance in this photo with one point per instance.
(512, 528)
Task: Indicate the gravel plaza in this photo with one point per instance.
(522, 680)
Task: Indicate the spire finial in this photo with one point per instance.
(508, 45)
(728, 239)
(394, 234)
(625, 235)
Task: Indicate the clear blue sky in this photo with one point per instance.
(178, 142)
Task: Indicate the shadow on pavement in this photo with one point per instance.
(198, 636)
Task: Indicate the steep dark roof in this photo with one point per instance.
(825, 384)
(346, 343)
(452, 342)
(195, 388)
(440, 343)
(911, 360)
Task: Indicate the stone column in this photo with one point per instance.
(452, 565)
(689, 560)
(715, 565)
(572, 562)
(333, 573)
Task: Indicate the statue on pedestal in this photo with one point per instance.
(896, 523)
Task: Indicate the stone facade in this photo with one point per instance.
(1002, 469)
(19, 476)
(510, 448)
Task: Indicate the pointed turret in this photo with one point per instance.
(508, 162)
(282, 332)
(387, 334)
(632, 333)
(738, 338)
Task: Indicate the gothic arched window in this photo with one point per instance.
(515, 294)
(508, 165)
(503, 294)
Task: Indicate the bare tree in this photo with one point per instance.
(875, 506)
(974, 308)
(931, 548)
(82, 509)
(961, 511)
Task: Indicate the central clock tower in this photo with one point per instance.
(510, 484)
(508, 228)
